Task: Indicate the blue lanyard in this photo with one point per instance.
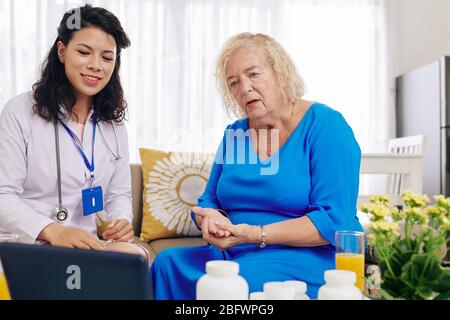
(89, 166)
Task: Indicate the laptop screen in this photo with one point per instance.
(44, 272)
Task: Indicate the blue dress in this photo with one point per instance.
(315, 173)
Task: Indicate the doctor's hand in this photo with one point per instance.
(119, 230)
(213, 216)
(61, 236)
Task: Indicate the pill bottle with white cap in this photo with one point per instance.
(339, 285)
(277, 290)
(300, 289)
(222, 282)
(258, 295)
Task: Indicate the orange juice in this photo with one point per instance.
(352, 262)
(4, 292)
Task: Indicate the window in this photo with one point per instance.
(168, 72)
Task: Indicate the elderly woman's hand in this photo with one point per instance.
(239, 234)
(213, 216)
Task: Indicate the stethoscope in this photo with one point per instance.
(115, 155)
(60, 212)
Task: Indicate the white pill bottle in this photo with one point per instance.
(339, 285)
(300, 289)
(222, 282)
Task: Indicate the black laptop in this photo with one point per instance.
(45, 272)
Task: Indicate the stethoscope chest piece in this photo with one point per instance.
(61, 214)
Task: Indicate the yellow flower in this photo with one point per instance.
(365, 207)
(444, 204)
(414, 200)
(371, 238)
(445, 225)
(379, 208)
(435, 212)
(383, 230)
(416, 215)
(398, 215)
(384, 226)
(377, 211)
(384, 198)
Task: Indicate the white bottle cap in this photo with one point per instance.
(300, 286)
(257, 296)
(270, 284)
(340, 277)
(221, 267)
(276, 290)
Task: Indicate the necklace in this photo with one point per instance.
(290, 120)
(268, 142)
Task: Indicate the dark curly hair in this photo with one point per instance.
(53, 89)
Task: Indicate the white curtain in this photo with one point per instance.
(339, 47)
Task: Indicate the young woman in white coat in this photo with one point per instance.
(63, 145)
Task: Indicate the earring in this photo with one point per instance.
(61, 59)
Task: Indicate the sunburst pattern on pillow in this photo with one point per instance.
(173, 181)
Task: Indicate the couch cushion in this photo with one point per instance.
(172, 182)
(158, 245)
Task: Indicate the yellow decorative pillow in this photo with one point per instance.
(173, 181)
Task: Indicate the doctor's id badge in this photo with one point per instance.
(92, 200)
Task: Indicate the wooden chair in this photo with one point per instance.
(405, 145)
(408, 168)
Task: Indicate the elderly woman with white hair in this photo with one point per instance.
(285, 178)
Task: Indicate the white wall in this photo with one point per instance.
(419, 32)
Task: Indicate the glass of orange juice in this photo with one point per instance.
(350, 250)
(4, 291)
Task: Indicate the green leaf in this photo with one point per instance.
(420, 273)
(391, 285)
(386, 295)
(400, 255)
(396, 287)
(433, 244)
(442, 283)
(443, 296)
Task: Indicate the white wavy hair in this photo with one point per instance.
(292, 85)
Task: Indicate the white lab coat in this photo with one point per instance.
(28, 171)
